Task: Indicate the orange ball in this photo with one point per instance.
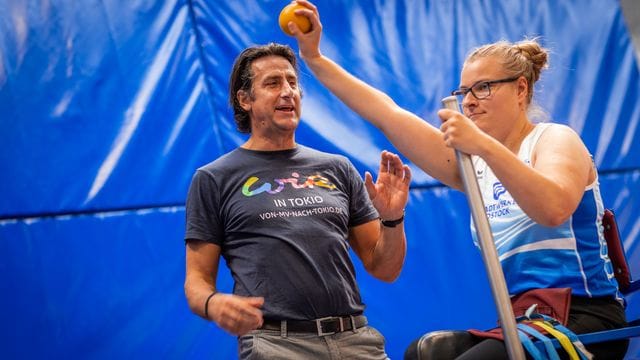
(287, 14)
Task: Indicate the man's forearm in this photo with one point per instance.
(389, 253)
(197, 291)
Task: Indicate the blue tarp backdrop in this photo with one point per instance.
(107, 107)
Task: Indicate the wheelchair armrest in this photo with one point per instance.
(633, 287)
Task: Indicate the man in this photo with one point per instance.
(284, 216)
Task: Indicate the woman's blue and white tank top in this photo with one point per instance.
(573, 254)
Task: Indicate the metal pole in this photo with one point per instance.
(488, 248)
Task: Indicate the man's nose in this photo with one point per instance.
(287, 90)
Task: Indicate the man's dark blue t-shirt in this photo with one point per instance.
(282, 219)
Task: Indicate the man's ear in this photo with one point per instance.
(244, 100)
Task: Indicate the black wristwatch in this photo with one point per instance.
(392, 223)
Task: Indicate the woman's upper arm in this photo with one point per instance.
(561, 156)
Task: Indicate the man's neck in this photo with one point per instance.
(269, 144)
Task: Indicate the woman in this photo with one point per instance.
(539, 183)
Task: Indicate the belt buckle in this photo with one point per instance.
(320, 321)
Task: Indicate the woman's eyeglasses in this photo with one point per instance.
(481, 89)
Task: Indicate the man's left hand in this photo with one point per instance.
(390, 192)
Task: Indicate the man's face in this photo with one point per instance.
(274, 101)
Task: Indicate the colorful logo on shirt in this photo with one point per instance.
(253, 186)
(498, 190)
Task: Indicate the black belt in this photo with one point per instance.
(324, 326)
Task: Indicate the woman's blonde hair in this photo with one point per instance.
(524, 58)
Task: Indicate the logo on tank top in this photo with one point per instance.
(498, 190)
(500, 207)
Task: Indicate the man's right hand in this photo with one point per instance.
(236, 314)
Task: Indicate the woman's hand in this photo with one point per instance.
(309, 42)
(461, 133)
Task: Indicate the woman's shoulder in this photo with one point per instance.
(554, 130)
(554, 137)
(545, 126)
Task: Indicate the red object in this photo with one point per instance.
(553, 302)
(616, 250)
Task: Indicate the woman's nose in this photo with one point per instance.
(468, 99)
